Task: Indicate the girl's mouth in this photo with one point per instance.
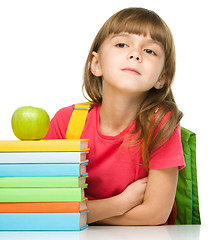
(131, 71)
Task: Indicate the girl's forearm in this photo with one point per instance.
(104, 208)
(139, 215)
(117, 205)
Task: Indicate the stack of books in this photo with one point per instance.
(42, 185)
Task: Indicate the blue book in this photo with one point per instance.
(42, 157)
(43, 170)
(43, 221)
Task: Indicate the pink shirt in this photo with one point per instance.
(113, 163)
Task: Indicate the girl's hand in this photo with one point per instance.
(133, 195)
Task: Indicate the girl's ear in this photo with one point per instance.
(95, 65)
(161, 82)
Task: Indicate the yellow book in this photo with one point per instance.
(59, 145)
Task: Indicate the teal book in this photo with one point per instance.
(42, 194)
(43, 169)
(43, 221)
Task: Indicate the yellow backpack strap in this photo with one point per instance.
(77, 120)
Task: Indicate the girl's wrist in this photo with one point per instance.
(123, 205)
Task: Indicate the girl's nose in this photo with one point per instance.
(135, 56)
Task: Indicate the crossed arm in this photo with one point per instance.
(147, 201)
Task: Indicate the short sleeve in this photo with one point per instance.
(59, 123)
(170, 154)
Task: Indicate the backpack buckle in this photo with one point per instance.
(83, 106)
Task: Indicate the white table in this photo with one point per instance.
(181, 232)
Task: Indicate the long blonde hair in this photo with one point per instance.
(142, 22)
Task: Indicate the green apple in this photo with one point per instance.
(30, 123)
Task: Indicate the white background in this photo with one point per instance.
(44, 45)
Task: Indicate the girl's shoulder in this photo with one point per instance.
(65, 113)
(59, 123)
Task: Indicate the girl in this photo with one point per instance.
(133, 126)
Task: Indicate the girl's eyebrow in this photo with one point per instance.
(121, 35)
(150, 40)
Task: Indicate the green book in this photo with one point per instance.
(42, 194)
(42, 182)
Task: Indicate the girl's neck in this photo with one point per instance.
(117, 113)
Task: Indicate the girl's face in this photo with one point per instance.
(130, 63)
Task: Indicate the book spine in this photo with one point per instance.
(42, 182)
(42, 194)
(41, 170)
(40, 221)
(44, 207)
(42, 157)
(61, 145)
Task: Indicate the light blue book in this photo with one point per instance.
(43, 221)
(42, 157)
(43, 170)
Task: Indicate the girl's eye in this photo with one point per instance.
(121, 45)
(150, 52)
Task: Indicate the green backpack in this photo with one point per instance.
(186, 207)
(187, 201)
